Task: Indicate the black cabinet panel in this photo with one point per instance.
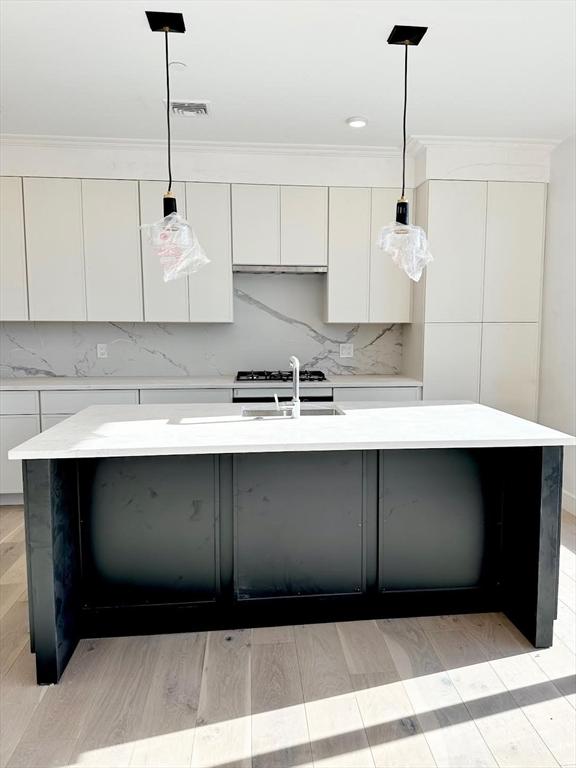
(433, 519)
(298, 519)
(148, 529)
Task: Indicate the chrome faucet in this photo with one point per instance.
(295, 365)
(292, 409)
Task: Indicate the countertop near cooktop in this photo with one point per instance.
(37, 383)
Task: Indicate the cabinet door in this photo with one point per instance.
(452, 361)
(304, 226)
(390, 288)
(112, 250)
(13, 289)
(163, 302)
(456, 232)
(255, 224)
(348, 255)
(52, 420)
(55, 249)
(298, 523)
(68, 401)
(13, 431)
(514, 248)
(208, 211)
(375, 394)
(15, 402)
(509, 378)
(191, 395)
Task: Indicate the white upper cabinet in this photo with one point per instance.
(55, 249)
(304, 226)
(455, 224)
(509, 379)
(13, 289)
(364, 285)
(389, 287)
(208, 212)
(514, 251)
(112, 250)
(256, 224)
(163, 302)
(348, 255)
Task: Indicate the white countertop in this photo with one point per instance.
(36, 383)
(153, 430)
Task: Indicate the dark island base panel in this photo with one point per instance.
(144, 545)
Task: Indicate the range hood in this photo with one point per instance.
(278, 269)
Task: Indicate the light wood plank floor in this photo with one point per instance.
(439, 691)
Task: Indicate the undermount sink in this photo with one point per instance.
(305, 410)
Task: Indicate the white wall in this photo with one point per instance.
(557, 407)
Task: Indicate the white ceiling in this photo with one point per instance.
(290, 71)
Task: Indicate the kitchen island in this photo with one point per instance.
(156, 518)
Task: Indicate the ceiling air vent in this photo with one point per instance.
(189, 108)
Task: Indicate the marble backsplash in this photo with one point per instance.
(275, 316)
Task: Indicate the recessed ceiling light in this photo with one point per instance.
(357, 122)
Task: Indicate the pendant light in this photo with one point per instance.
(405, 243)
(173, 239)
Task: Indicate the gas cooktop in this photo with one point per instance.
(279, 376)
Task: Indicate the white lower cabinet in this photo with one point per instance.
(509, 379)
(151, 396)
(13, 431)
(18, 403)
(63, 401)
(376, 394)
(50, 420)
(452, 361)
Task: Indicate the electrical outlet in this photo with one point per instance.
(346, 350)
(102, 350)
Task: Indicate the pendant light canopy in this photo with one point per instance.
(173, 239)
(405, 243)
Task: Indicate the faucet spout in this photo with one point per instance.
(295, 365)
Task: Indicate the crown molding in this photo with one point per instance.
(428, 157)
(415, 144)
(480, 158)
(206, 147)
(418, 142)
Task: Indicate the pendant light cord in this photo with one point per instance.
(168, 113)
(404, 119)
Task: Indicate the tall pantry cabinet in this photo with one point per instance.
(477, 309)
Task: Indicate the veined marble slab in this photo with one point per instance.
(38, 383)
(275, 316)
(155, 430)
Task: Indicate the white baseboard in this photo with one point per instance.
(10, 499)
(569, 502)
